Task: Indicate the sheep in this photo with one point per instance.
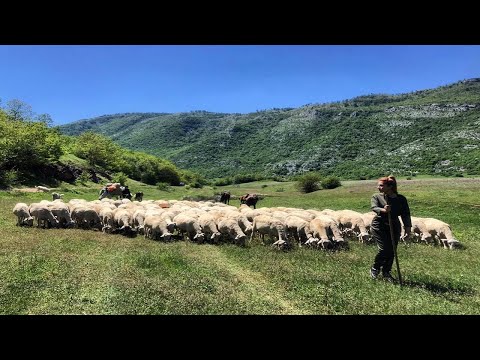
(138, 218)
(23, 215)
(43, 215)
(123, 220)
(431, 229)
(61, 211)
(265, 224)
(319, 229)
(189, 225)
(156, 228)
(333, 229)
(86, 217)
(42, 188)
(350, 222)
(299, 229)
(209, 227)
(230, 228)
(106, 215)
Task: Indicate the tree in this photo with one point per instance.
(44, 118)
(19, 110)
(309, 182)
(96, 149)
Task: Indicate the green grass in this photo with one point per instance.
(72, 271)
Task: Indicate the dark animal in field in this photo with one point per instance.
(115, 189)
(138, 196)
(249, 200)
(225, 197)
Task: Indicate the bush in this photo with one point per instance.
(163, 186)
(120, 178)
(331, 182)
(309, 182)
(83, 178)
(223, 181)
(8, 178)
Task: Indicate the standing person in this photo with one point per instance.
(380, 228)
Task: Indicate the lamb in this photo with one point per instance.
(23, 215)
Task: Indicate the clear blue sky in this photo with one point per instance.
(73, 82)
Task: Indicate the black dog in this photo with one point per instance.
(138, 196)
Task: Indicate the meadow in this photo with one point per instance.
(74, 271)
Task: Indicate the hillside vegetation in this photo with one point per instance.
(428, 132)
(32, 152)
(74, 271)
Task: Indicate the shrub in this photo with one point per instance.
(163, 186)
(83, 178)
(8, 178)
(309, 182)
(331, 182)
(120, 178)
(223, 181)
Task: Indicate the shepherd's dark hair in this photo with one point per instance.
(390, 181)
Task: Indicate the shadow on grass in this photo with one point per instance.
(440, 287)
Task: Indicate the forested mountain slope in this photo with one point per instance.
(428, 131)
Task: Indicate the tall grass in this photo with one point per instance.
(72, 271)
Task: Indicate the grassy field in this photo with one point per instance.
(72, 271)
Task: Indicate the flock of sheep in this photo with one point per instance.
(206, 221)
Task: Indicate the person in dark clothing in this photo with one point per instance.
(388, 201)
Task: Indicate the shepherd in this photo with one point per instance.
(386, 228)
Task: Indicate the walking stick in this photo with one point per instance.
(393, 242)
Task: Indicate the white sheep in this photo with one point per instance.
(209, 227)
(42, 213)
(61, 211)
(42, 188)
(23, 215)
(230, 228)
(441, 231)
(189, 225)
(268, 225)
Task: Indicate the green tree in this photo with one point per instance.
(96, 149)
(309, 182)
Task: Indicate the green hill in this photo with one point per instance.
(430, 132)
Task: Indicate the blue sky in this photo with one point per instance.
(73, 82)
